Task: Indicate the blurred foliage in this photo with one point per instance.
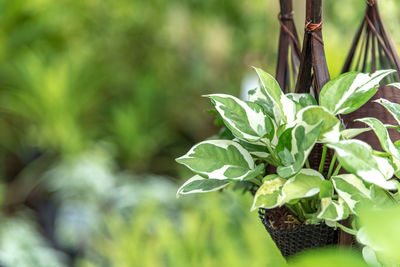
(96, 94)
(212, 232)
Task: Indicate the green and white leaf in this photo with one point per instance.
(257, 149)
(222, 160)
(356, 157)
(396, 166)
(270, 96)
(326, 189)
(397, 85)
(313, 115)
(247, 121)
(269, 195)
(198, 184)
(383, 136)
(393, 108)
(294, 146)
(353, 132)
(352, 190)
(304, 184)
(350, 91)
(302, 100)
(333, 210)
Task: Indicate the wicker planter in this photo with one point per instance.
(302, 237)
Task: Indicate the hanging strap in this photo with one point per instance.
(382, 48)
(313, 67)
(289, 44)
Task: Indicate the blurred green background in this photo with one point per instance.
(97, 98)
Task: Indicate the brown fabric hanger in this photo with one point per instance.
(289, 48)
(313, 72)
(372, 50)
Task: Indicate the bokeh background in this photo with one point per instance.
(98, 97)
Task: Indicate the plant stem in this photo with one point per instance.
(337, 169)
(346, 229)
(300, 212)
(323, 158)
(305, 206)
(308, 164)
(333, 161)
(276, 161)
(292, 210)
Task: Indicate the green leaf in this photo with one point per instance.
(352, 190)
(353, 132)
(350, 91)
(326, 189)
(381, 197)
(198, 184)
(333, 210)
(380, 231)
(257, 149)
(247, 121)
(272, 99)
(328, 257)
(383, 136)
(302, 100)
(269, 195)
(357, 158)
(313, 115)
(393, 108)
(294, 146)
(222, 160)
(305, 183)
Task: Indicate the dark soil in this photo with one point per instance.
(282, 218)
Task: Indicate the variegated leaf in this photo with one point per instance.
(397, 85)
(383, 136)
(350, 91)
(326, 189)
(352, 190)
(356, 157)
(381, 197)
(333, 210)
(304, 184)
(272, 99)
(294, 146)
(393, 108)
(247, 121)
(222, 160)
(302, 100)
(198, 184)
(396, 166)
(353, 132)
(256, 149)
(269, 195)
(313, 115)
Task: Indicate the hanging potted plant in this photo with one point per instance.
(273, 136)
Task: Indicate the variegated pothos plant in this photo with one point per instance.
(272, 128)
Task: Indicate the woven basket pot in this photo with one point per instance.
(302, 237)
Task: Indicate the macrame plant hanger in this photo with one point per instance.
(289, 48)
(313, 72)
(372, 50)
(313, 75)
